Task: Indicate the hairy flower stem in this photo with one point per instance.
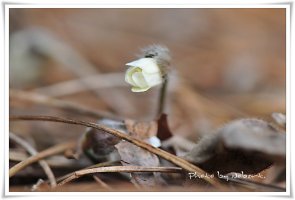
(162, 96)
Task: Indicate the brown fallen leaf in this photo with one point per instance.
(141, 130)
(133, 155)
(99, 145)
(248, 145)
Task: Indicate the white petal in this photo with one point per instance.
(128, 75)
(149, 65)
(137, 89)
(139, 80)
(153, 79)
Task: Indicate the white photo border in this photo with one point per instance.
(134, 4)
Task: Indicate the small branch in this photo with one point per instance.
(129, 169)
(170, 157)
(103, 164)
(56, 161)
(41, 155)
(31, 150)
(60, 104)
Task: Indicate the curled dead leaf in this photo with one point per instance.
(99, 145)
(133, 155)
(248, 145)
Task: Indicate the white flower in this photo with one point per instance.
(143, 74)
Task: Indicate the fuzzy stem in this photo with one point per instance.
(162, 96)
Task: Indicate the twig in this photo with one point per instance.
(94, 82)
(43, 154)
(129, 169)
(31, 150)
(103, 164)
(170, 157)
(57, 161)
(61, 104)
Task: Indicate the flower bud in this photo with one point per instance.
(143, 74)
(150, 69)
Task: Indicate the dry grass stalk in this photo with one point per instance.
(129, 169)
(41, 155)
(31, 150)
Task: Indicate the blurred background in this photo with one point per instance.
(226, 64)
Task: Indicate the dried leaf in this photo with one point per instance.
(99, 145)
(133, 155)
(141, 130)
(248, 145)
(144, 130)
